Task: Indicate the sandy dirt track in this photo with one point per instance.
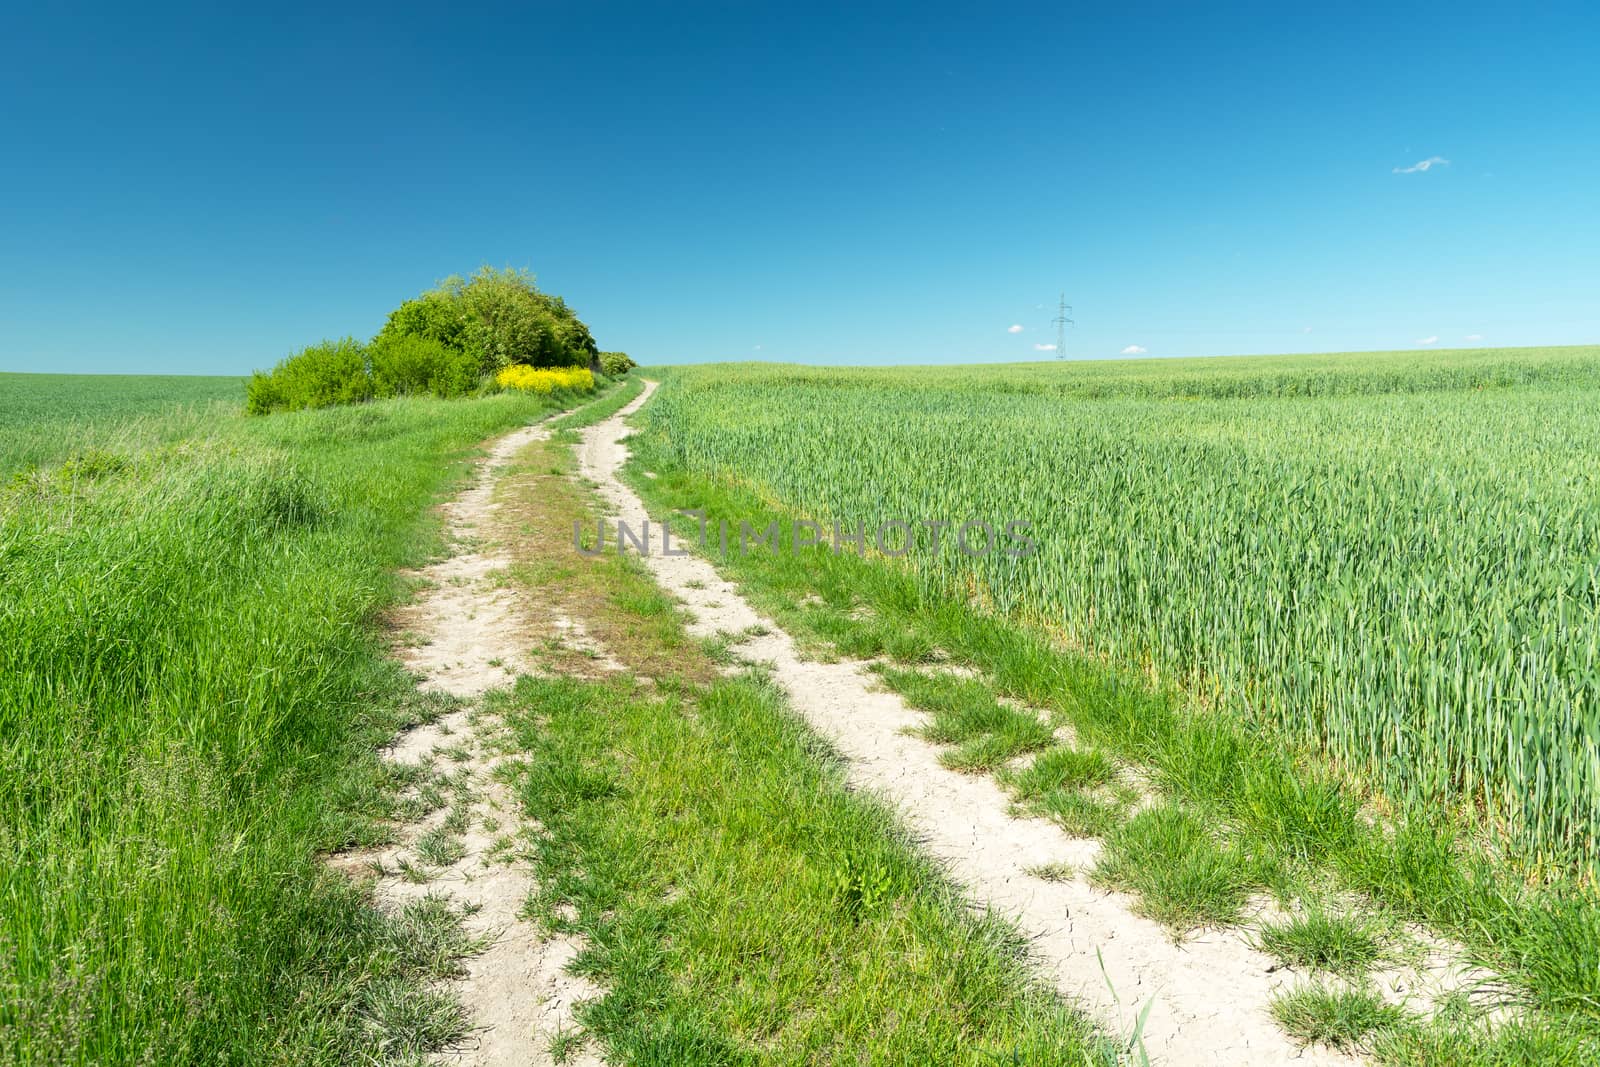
(516, 991)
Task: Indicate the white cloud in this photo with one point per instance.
(1423, 165)
(758, 348)
(1135, 350)
(1473, 337)
(1431, 340)
(1044, 348)
(1306, 330)
(1014, 329)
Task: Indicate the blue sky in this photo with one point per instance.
(202, 191)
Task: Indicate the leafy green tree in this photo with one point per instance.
(436, 315)
(501, 318)
(507, 323)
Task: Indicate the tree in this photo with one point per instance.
(435, 315)
(500, 318)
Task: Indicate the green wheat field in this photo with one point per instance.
(1395, 555)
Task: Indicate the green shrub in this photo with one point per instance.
(333, 372)
(263, 393)
(616, 364)
(409, 364)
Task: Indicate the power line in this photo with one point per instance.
(1062, 322)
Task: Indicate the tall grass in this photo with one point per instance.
(187, 668)
(1398, 558)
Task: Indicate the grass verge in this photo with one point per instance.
(741, 907)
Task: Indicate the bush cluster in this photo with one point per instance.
(451, 341)
(333, 372)
(411, 363)
(616, 364)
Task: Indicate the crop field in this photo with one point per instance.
(1394, 556)
(43, 416)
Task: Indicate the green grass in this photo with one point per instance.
(985, 733)
(1180, 873)
(1061, 768)
(1072, 787)
(740, 906)
(192, 693)
(1417, 593)
(604, 407)
(440, 847)
(1512, 1044)
(1337, 1017)
(1357, 1019)
(1345, 945)
(1053, 872)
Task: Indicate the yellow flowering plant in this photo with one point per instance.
(528, 379)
